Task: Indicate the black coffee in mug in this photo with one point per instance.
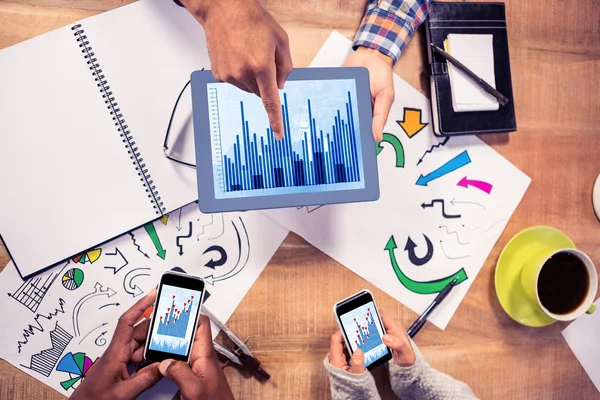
(563, 283)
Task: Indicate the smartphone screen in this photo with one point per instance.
(174, 322)
(362, 328)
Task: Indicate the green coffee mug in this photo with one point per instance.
(530, 275)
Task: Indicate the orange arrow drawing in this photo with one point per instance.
(412, 122)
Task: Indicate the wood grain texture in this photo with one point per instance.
(555, 58)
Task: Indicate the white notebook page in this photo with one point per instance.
(148, 51)
(90, 190)
(67, 181)
(476, 52)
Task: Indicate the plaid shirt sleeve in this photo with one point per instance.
(388, 25)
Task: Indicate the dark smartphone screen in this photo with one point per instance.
(175, 317)
(362, 328)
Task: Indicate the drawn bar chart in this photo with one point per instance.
(44, 361)
(322, 152)
(32, 291)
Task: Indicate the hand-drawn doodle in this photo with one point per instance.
(87, 334)
(178, 226)
(90, 256)
(442, 202)
(410, 247)
(108, 304)
(450, 257)
(481, 185)
(99, 290)
(211, 279)
(137, 245)
(128, 284)
(310, 209)
(100, 339)
(78, 366)
(454, 203)
(396, 144)
(151, 231)
(440, 144)
(202, 226)
(453, 233)
(124, 261)
(33, 290)
(489, 228)
(45, 361)
(222, 230)
(428, 287)
(27, 332)
(412, 123)
(212, 264)
(72, 279)
(178, 238)
(457, 162)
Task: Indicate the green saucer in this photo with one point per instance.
(508, 272)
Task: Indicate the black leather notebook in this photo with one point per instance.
(472, 19)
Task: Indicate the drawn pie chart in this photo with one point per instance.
(77, 365)
(72, 279)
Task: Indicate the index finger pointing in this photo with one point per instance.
(269, 93)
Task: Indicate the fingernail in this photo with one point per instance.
(359, 353)
(387, 339)
(164, 366)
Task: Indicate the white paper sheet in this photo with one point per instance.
(228, 250)
(582, 337)
(443, 227)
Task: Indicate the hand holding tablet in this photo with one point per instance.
(326, 155)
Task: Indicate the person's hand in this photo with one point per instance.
(381, 79)
(247, 48)
(205, 378)
(397, 340)
(109, 379)
(337, 358)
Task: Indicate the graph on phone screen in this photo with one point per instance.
(320, 151)
(176, 314)
(363, 331)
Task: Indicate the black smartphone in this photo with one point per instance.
(362, 328)
(175, 317)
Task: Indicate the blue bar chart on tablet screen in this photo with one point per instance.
(320, 150)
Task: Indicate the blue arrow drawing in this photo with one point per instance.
(457, 162)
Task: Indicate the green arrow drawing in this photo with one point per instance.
(396, 144)
(151, 230)
(428, 287)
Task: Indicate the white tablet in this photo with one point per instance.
(327, 154)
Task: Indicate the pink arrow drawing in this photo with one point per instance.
(483, 186)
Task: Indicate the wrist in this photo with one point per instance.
(203, 10)
(367, 51)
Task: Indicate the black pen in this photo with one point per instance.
(502, 99)
(418, 324)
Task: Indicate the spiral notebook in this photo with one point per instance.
(83, 116)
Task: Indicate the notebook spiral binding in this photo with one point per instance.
(117, 117)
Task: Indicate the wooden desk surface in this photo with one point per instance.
(555, 57)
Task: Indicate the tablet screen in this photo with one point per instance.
(320, 151)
